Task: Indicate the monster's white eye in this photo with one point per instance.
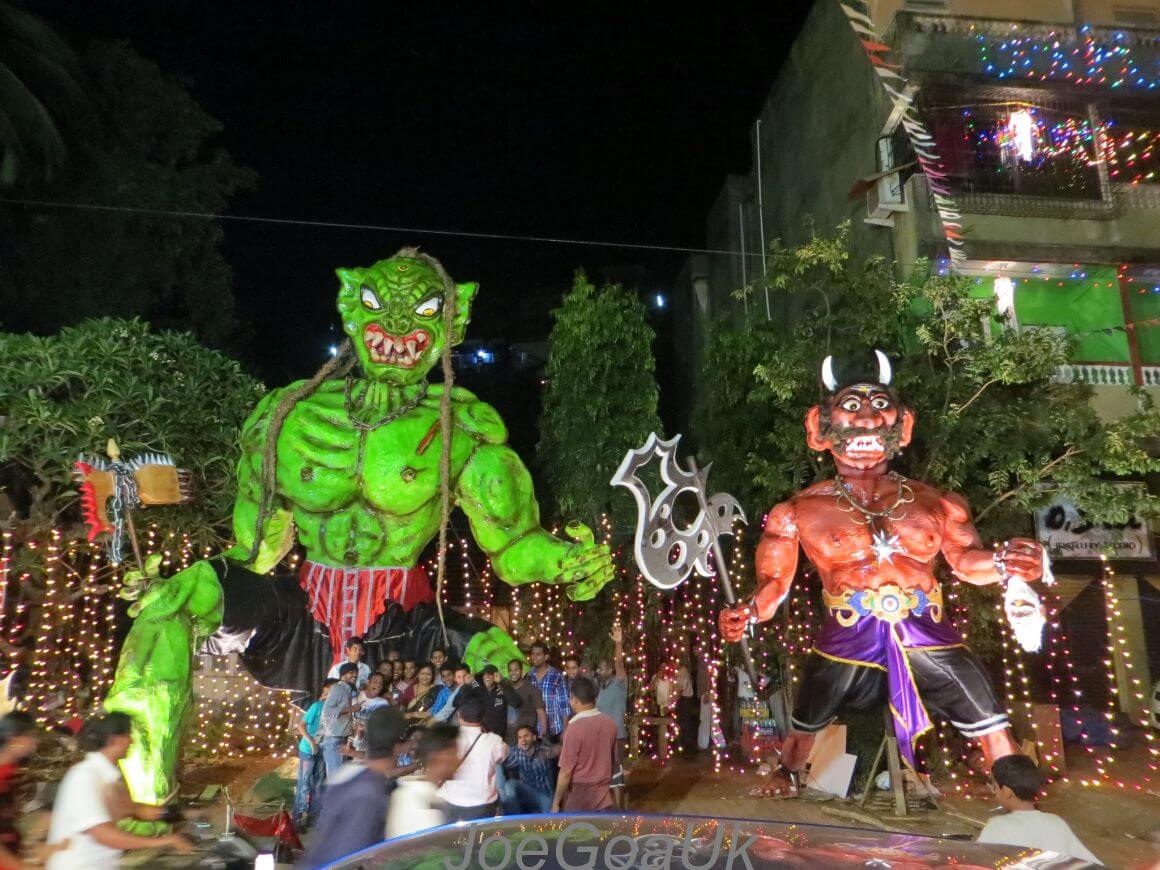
(429, 307)
(369, 299)
(851, 404)
(880, 403)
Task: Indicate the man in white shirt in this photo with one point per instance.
(354, 654)
(1015, 781)
(415, 802)
(472, 793)
(93, 797)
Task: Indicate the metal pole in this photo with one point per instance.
(744, 271)
(761, 214)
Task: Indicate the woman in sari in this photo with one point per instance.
(425, 694)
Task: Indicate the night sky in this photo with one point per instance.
(601, 123)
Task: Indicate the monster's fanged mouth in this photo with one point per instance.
(865, 444)
(395, 350)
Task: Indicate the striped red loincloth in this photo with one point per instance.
(349, 600)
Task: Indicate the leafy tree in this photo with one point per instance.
(993, 424)
(151, 150)
(600, 403)
(152, 391)
(601, 399)
(40, 84)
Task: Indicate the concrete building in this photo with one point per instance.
(1040, 136)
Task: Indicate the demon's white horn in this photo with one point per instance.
(828, 374)
(884, 371)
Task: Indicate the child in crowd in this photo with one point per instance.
(311, 766)
(1015, 781)
(415, 806)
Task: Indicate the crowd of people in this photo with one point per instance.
(411, 745)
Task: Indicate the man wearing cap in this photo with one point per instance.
(873, 536)
(354, 807)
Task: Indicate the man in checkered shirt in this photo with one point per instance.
(551, 684)
(530, 782)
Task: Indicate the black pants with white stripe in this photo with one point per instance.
(952, 683)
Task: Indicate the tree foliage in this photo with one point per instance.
(151, 391)
(601, 399)
(993, 423)
(40, 87)
(150, 149)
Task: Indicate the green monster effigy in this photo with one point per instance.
(362, 469)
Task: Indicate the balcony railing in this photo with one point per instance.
(1010, 51)
(1107, 375)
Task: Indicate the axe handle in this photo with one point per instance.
(730, 600)
(726, 584)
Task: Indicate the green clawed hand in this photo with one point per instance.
(587, 566)
(494, 647)
(138, 581)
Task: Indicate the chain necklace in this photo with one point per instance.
(848, 501)
(390, 416)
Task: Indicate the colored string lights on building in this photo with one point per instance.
(1024, 137)
(1085, 58)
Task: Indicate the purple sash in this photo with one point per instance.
(876, 643)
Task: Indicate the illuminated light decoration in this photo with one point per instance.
(1004, 289)
(1118, 641)
(71, 656)
(1083, 59)
(1068, 144)
(1021, 136)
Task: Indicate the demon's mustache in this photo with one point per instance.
(847, 439)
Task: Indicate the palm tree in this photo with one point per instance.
(40, 86)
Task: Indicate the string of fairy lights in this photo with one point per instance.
(59, 616)
(1086, 59)
(1022, 137)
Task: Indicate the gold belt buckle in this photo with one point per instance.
(890, 603)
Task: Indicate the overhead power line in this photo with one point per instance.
(344, 225)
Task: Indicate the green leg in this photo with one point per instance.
(153, 684)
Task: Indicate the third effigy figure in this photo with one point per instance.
(873, 536)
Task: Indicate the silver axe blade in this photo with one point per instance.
(665, 552)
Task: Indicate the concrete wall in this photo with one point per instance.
(818, 133)
(1130, 236)
(1104, 11)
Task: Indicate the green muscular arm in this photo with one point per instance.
(495, 491)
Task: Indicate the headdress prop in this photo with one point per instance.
(667, 553)
(841, 372)
(111, 488)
